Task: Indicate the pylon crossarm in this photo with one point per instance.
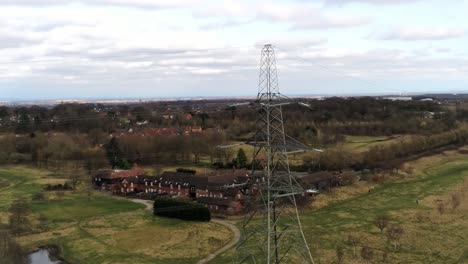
(288, 194)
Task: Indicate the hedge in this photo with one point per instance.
(181, 209)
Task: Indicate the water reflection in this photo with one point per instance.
(42, 256)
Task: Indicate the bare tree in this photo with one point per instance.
(441, 207)
(456, 200)
(10, 251)
(381, 222)
(394, 235)
(43, 222)
(339, 253)
(385, 256)
(353, 241)
(367, 253)
(18, 221)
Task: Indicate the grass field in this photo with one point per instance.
(430, 237)
(104, 229)
(359, 144)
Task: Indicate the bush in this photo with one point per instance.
(184, 170)
(180, 209)
(38, 196)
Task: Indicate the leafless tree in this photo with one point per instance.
(385, 256)
(367, 253)
(18, 221)
(43, 222)
(441, 207)
(381, 222)
(10, 251)
(353, 241)
(394, 235)
(339, 253)
(456, 200)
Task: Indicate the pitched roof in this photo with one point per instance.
(231, 192)
(317, 177)
(226, 176)
(213, 201)
(116, 174)
(148, 132)
(179, 178)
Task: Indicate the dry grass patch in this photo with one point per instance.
(342, 193)
(44, 236)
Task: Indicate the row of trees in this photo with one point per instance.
(385, 156)
(167, 149)
(332, 116)
(53, 151)
(414, 145)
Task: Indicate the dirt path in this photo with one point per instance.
(232, 227)
(229, 245)
(147, 203)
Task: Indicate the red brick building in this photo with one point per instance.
(110, 180)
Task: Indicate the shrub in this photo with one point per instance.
(184, 170)
(38, 196)
(181, 209)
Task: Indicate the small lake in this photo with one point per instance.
(42, 256)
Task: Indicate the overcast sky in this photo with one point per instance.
(58, 49)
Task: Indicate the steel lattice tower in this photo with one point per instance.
(272, 231)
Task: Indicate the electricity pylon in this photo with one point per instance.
(272, 231)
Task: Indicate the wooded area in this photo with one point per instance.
(79, 135)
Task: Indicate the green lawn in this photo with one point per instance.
(82, 208)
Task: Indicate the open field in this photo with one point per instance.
(429, 236)
(104, 229)
(359, 144)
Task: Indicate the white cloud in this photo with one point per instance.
(127, 3)
(307, 17)
(374, 2)
(415, 34)
(186, 43)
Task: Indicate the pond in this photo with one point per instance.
(42, 256)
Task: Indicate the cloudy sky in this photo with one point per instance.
(57, 49)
